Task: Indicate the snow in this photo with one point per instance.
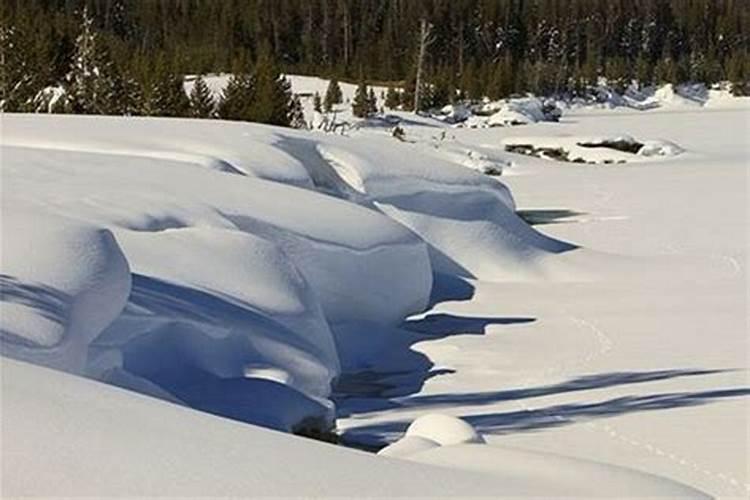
(285, 278)
(631, 349)
(443, 429)
(74, 437)
(190, 254)
(55, 303)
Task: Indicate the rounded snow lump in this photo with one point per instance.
(444, 430)
(408, 445)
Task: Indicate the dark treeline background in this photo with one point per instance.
(482, 47)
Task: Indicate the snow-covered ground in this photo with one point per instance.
(640, 357)
(286, 278)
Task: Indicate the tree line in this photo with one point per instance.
(476, 48)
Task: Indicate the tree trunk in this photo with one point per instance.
(424, 41)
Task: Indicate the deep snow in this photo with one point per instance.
(242, 270)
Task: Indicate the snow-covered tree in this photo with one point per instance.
(202, 103)
(16, 77)
(90, 84)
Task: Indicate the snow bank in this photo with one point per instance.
(468, 219)
(196, 142)
(239, 284)
(62, 282)
(65, 436)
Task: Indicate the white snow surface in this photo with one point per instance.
(244, 270)
(72, 437)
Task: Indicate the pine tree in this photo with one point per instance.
(239, 93)
(90, 84)
(273, 98)
(297, 115)
(392, 98)
(166, 96)
(126, 95)
(201, 100)
(17, 84)
(361, 104)
(333, 95)
(317, 104)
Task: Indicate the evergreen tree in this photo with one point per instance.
(392, 98)
(273, 100)
(372, 102)
(317, 105)
(17, 82)
(239, 94)
(333, 95)
(90, 85)
(166, 95)
(361, 102)
(126, 95)
(549, 45)
(201, 100)
(297, 115)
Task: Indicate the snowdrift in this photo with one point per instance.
(65, 436)
(232, 282)
(241, 265)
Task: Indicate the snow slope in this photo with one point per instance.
(99, 441)
(644, 363)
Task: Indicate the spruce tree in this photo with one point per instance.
(239, 93)
(17, 85)
(333, 95)
(201, 100)
(361, 102)
(90, 84)
(297, 115)
(317, 104)
(372, 102)
(273, 98)
(167, 94)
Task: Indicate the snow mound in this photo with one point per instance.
(239, 284)
(408, 445)
(190, 141)
(66, 436)
(444, 430)
(61, 283)
(467, 219)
